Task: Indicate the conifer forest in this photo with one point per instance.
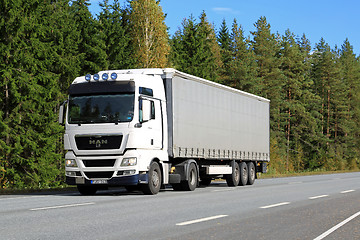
(314, 89)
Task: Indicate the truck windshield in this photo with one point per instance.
(112, 108)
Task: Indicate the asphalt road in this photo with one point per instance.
(311, 207)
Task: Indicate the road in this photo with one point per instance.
(310, 207)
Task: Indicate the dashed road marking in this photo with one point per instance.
(316, 197)
(275, 205)
(63, 206)
(348, 191)
(200, 220)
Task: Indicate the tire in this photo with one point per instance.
(86, 190)
(243, 174)
(233, 179)
(251, 173)
(191, 183)
(154, 184)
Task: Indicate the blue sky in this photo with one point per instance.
(333, 20)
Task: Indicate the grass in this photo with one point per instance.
(305, 173)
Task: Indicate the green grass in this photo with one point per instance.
(271, 174)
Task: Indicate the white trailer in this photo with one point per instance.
(146, 128)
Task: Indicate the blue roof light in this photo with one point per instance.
(88, 77)
(105, 76)
(96, 77)
(113, 76)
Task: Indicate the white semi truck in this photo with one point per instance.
(148, 128)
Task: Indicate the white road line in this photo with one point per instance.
(316, 197)
(295, 182)
(275, 205)
(200, 220)
(333, 229)
(224, 190)
(348, 191)
(15, 198)
(63, 206)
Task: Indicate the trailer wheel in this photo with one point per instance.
(191, 183)
(86, 190)
(233, 179)
(251, 173)
(154, 184)
(243, 174)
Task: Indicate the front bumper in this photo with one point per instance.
(114, 181)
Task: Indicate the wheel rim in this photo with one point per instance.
(252, 173)
(155, 179)
(237, 174)
(192, 177)
(245, 173)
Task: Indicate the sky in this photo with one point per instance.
(333, 20)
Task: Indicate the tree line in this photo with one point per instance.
(44, 45)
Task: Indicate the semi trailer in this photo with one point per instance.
(147, 129)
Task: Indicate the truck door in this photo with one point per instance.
(151, 119)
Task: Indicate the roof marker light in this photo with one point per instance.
(113, 76)
(105, 76)
(96, 77)
(88, 77)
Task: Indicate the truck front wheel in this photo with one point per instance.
(154, 184)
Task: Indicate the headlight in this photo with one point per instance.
(70, 163)
(129, 161)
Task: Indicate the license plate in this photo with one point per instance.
(99, 182)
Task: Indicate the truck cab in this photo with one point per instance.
(114, 130)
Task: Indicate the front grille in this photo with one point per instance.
(99, 163)
(98, 142)
(91, 175)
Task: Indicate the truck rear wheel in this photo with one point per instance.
(233, 179)
(154, 184)
(243, 174)
(251, 173)
(191, 183)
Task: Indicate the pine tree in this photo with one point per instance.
(332, 92)
(300, 122)
(149, 34)
(224, 40)
(30, 137)
(116, 31)
(195, 49)
(266, 48)
(242, 70)
(91, 44)
(211, 68)
(350, 75)
(186, 47)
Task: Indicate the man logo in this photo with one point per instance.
(98, 143)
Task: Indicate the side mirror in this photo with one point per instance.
(62, 112)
